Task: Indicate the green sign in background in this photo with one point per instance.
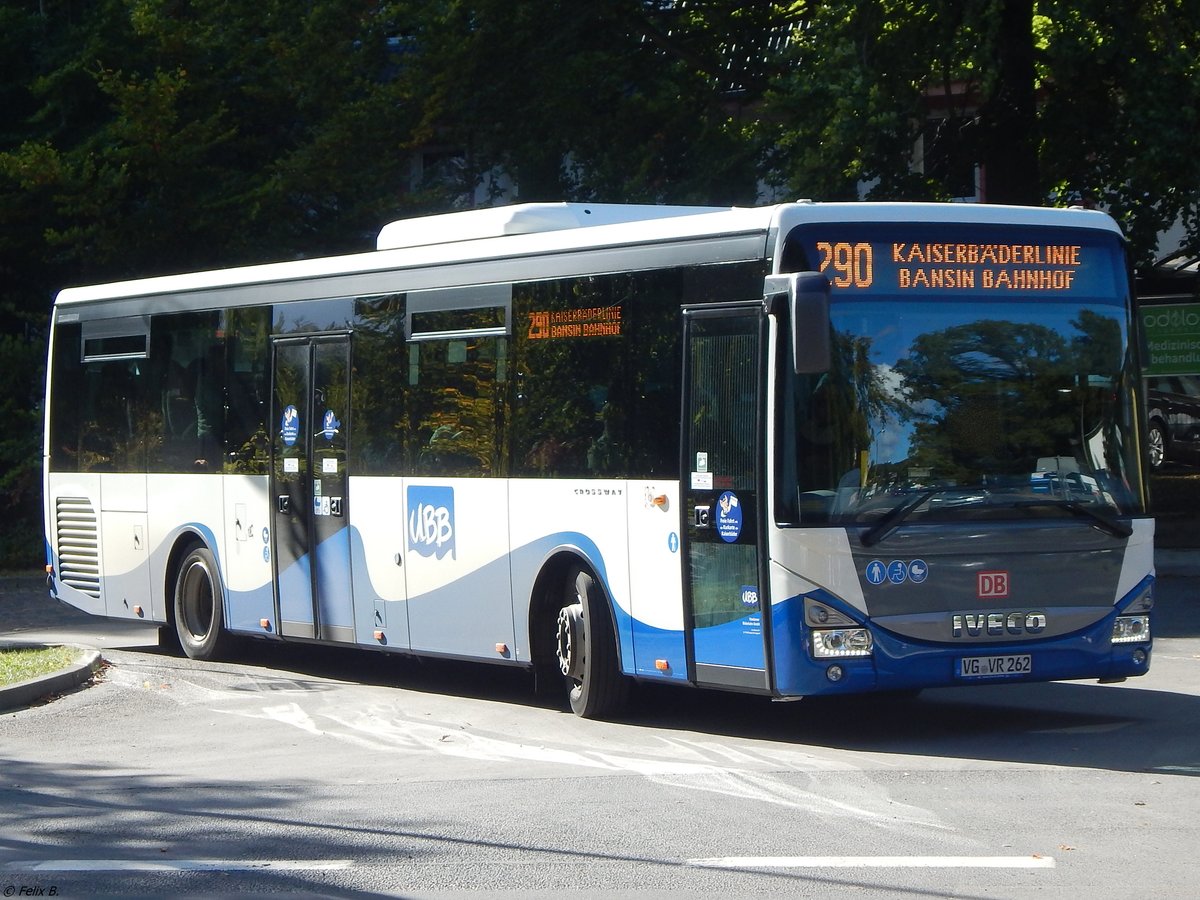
(1172, 339)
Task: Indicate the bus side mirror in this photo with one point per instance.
(808, 312)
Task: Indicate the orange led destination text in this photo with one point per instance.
(1021, 267)
(599, 321)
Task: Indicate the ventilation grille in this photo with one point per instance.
(78, 545)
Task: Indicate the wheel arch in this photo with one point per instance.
(545, 599)
(185, 542)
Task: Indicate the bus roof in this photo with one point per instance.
(523, 218)
(547, 228)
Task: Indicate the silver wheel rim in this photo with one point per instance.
(197, 599)
(1156, 447)
(568, 640)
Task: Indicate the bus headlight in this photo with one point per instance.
(1131, 629)
(842, 642)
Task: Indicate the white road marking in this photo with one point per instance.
(679, 764)
(875, 862)
(176, 865)
(740, 772)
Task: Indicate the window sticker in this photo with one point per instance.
(330, 425)
(729, 517)
(750, 596)
(289, 427)
(896, 572)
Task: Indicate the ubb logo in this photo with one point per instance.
(431, 521)
(749, 596)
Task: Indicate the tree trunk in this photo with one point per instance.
(1009, 115)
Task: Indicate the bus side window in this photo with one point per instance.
(209, 369)
(457, 406)
(178, 402)
(117, 425)
(572, 388)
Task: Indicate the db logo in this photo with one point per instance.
(992, 584)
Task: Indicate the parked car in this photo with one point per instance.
(1173, 418)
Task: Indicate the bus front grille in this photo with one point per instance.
(78, 545)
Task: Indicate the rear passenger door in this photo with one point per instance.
(311, 432)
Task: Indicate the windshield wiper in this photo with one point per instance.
(895, 517)
(897, 514)
(1115, 527)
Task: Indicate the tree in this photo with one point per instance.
(617, 100)
(1061, 102)
(174, 134)
(1121, 108)
(21, 365)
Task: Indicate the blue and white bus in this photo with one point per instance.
(799, 450)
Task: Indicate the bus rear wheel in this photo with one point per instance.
(585, 649)
(199, 616)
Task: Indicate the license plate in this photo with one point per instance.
(983, 666)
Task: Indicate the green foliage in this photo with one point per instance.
(1122, 110)
(22, 368)
(211, 132)
(614, 100)
(148, 136)
(1083, 102)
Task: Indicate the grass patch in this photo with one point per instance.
(21, 664)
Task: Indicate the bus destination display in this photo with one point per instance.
(899, 266)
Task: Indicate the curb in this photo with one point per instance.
(28, 692)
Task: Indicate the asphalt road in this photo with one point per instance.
(335, 773)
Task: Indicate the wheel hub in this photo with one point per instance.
(569, 643)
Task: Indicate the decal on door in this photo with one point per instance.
(330, 425)
(729, 517)
(431, 520)
(289, 427)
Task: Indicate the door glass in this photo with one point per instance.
(331, 537)
(721, 456)
(291, 497)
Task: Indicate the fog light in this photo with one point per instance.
(834, 673)
(1131, 629)
(842, 642)
(1139, 656)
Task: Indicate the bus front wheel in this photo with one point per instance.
(585, 649)
(199, 617)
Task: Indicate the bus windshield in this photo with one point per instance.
(988, 375)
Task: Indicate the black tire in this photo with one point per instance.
(168, 640)
(1156, 439)
(199, 606)
(586, 650)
